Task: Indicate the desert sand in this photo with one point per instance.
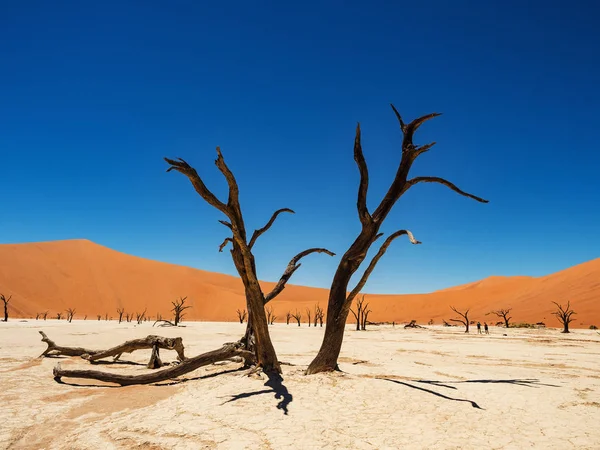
(412, 389)
(54, 276)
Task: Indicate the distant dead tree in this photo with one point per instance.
(365, 315)
(430, 322)
(242, 315)
(70, 314)
(85, 317)
(140, 316)
(564, 315)
(288, 316)
(308, 315)
(464, 318)
(120, 312)
(99, 316)
(504, 314)
(413, 324)
(341, 294)
(128, 317)
(297, 316)
(319, 315)
(6, 302)
(358, 315)
(178, 309)
(58, 316)
(45, 314)
(270, 315)
(106, 316)
(361, 314)
(37, 316)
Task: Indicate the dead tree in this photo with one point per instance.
(242, 315)
(430, 322)
(270, 315)
(256, 338)
(365, 315)
(308, 316)
(149, 342)
(58, 316)
(37, 316)
(106, 317)
(70, 314)
(564, 315)
(464, 318)
(140, 316)
(318, 315)
(358, 315)
(99, 316)
(128, 317)
(340, 295)
(120, 312)
(288, 316)
(504, 314)
(298, 317)
(45, 314)
(6, 302)
(178, 310)
(85, 317)
(413, 324)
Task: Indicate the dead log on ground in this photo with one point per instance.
(128, 347)
(413, 324)
(55, 350)
(226, 352)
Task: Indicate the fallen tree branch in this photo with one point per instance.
(56, 350)
(226, 352)
(150, 341)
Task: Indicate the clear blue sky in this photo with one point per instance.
(94, 94)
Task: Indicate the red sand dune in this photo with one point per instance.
(95, 280)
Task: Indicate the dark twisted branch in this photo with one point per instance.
(363, 187)
(260, 231)
(290, 269)
(224, 244)
(184, 168)
(376, 259)
(446, 183)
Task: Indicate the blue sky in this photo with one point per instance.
(95, 94)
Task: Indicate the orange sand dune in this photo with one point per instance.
(97, 280)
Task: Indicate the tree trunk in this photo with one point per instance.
(566, 327)
(338, 305)
(5, 311)
(155, 362)
(506, 322)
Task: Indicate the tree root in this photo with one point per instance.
(226, 352)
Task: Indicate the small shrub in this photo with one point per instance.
(593, 327)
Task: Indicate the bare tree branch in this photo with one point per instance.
(359, 157)
(446, 183)
(260, 231)
(184, 168)
(224, 244)
(227, 224)
(290, 269)
(376, 259)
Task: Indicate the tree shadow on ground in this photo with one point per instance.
(275, 383)
(473, 404)
(527, 382)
